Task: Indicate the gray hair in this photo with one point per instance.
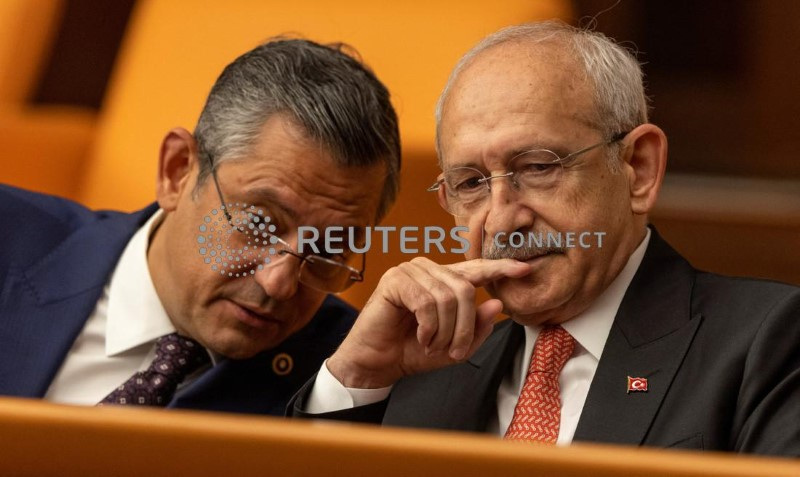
(620, 100)
(329, 93)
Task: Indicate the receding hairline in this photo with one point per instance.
(551, 51)
(555, 41)
(297, 131)
(562, 55)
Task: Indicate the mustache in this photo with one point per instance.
(526, 251)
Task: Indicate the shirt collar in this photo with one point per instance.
(590, 328)
(135, 313)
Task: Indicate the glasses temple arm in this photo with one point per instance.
(360, 275)
(436, 185)
(617, 137)
(219, 192)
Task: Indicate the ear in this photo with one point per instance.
(177, 164)
(645, 156)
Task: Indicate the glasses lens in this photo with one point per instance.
(241, 242)
(537, 171)
(326, 274)
(464, 189)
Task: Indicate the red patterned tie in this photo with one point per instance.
(538, 413)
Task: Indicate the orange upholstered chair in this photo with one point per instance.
(174, 49)
(42, 147)
(27, 28)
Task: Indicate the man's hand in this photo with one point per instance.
(422, 316)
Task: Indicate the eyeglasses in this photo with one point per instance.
(250, 245)
(464, 190)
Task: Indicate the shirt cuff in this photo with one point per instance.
(329, 395)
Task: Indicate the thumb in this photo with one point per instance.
(486, 314)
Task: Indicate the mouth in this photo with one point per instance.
(537, 257)
(254, 317)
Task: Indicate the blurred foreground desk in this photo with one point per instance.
(42, 439)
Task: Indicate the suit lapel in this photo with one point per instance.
(460, 397)
(47, 304)
(253, 385)
(264, 383)
(650, 336)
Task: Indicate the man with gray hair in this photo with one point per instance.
(202, 300)
(542, 129)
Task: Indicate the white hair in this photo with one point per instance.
(614, 72)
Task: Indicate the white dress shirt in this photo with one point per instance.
(119, 336)
(590, 330)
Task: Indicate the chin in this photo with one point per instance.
(239, 353)
(235, 344)
(238, 350)
(529, 302)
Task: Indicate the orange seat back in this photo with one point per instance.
(27, 28)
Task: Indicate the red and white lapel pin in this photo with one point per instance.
(637, 385)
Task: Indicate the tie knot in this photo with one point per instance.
(177, 356)
(553, 348)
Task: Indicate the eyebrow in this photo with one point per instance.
(471, 164)
(507, 156)
(262, 194)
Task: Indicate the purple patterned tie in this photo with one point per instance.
(176, 358)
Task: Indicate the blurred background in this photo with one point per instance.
(89, 87)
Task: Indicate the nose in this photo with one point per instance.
(280, 278)
(506, 210)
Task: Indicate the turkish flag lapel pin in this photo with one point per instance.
(637, 385)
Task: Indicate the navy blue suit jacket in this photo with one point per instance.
(55, 258)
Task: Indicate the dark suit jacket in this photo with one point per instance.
(55, 258)
(721, 355)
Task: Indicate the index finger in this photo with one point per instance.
(481, 271)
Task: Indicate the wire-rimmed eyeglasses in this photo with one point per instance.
(464, 190)
(250, 231)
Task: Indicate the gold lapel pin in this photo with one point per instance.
(282, 364)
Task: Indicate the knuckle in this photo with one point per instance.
(425, 329)
(466, 290)
(426, 304)
(401, 267)
(392, 274)
(450, 302)
(462, 335)
(444, 294)
(420, 261)
(453, 268)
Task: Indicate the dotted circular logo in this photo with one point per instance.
(236, 240)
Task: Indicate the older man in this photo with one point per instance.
(201, 301)
(543, 132)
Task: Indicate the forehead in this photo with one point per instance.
(288, 169)
(517, 95)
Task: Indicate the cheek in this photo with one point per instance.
(613, 210)
(579, 204)
(591, 207)
(474, 234)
